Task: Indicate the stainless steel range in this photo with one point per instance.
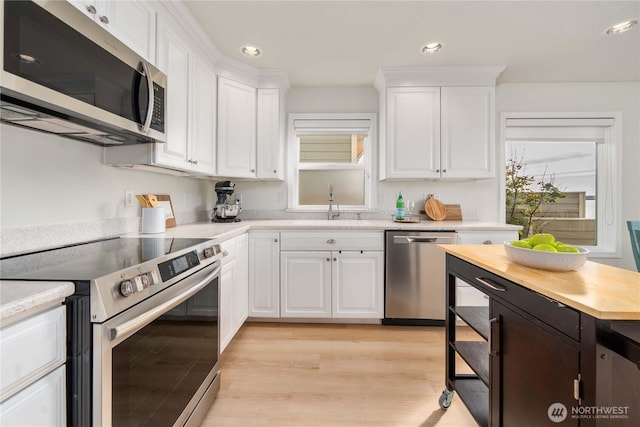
(142, 330)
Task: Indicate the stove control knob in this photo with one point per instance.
(126, 288)
(208, 252)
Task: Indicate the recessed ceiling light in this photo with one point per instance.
(251, 51)
(431, 48)
(621, 27)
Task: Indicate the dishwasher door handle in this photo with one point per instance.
(416, 239)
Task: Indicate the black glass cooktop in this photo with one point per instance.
(92, 260)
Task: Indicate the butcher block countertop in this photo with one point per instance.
(602, 291)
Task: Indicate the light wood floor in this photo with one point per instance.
(304, 375)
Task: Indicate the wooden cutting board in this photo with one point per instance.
(454, 213)
(435, 209)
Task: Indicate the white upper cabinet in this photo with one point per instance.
(270, 135)
(236, 129)
(202, 138)
(173, 59)
(467, 140)
(413, 132)
(132, 22)
(437, 123)
(191, 104)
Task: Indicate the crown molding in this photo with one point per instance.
(437, 76)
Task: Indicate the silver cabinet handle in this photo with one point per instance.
(487, 242)
(331, 241)
(91, 9)
(148, 317)
(275, 240)
(104, 19)
(328, 259)
(493, 325)
(491, 285)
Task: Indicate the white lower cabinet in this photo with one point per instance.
(338, 284)
(346, 282)
(264, 274)
(43, 403)
(358, 288)
(305, 288)
(234, 288)
(33, 354)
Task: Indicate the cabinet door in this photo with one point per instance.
(413, 132)
(226, 304)
(173, 59)
(202, 138)
(357, 284)
(241, 283)
(306, 284)
(264, 274)
(270, 141)
(532, 370)
(236, 129)
(43, 403)
(132, 22)
(467, 140)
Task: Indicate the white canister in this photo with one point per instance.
(153, 220)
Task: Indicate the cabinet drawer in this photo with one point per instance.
(331, 240)
(30, 349)
(546, 310)
(43, 403)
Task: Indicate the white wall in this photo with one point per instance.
(591, 97)
(47, 180)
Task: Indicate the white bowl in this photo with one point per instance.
(553, 261)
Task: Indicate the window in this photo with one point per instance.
(578, 156)
(330, 150)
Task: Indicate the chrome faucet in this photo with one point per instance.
(330, 214)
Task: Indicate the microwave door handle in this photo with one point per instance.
(149, 117)
(127, 328)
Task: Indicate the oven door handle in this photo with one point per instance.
(149, 316)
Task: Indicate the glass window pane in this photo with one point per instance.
(571, 168)
(336, 148)
(348, 187)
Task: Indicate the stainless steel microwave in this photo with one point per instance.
(64, 74)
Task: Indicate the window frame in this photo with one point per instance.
(294, 164)
(608, 174)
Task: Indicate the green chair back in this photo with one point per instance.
(634, 235)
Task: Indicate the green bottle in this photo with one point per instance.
(400, 208)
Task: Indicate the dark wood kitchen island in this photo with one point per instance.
(552, 348)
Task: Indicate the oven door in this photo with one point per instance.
(156, 364)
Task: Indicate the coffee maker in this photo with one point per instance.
(227, 206)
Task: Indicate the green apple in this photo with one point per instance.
(542, 238)
(567, 248)
(521, 244)
(545, 247)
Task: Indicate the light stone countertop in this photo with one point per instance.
(225, 231)
(21, 299)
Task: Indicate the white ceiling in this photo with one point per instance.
(337, 43)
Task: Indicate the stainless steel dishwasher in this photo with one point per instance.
(415, 277)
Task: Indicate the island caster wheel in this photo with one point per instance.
(445, 398)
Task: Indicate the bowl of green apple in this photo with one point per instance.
(543, 251)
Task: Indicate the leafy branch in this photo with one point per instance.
(525, 196)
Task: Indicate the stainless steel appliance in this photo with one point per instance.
(415, 277)
(143, 334)
(227, 206)
(64, 74)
